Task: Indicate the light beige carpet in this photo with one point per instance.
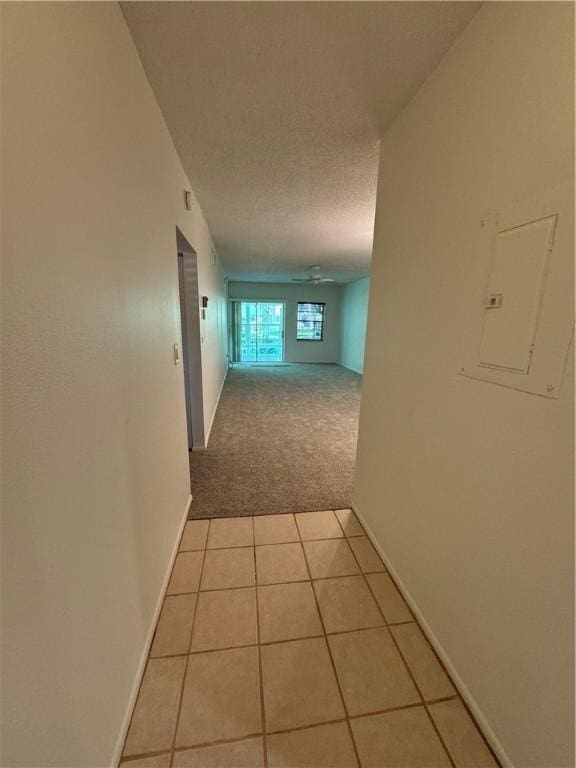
(283, 440)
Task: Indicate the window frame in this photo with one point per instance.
(320, 322)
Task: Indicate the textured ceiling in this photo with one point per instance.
(276, 111)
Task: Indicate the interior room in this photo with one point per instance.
(287, 384)
(284, 436)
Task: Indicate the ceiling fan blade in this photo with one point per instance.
(314, 279)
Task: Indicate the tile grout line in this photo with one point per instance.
(325, 635)
(423, 702)
(274, 543)
(260, 675)
(294, 581)
(334, 670)
(405, 662)
(189, 652)
(275, 583)
(327, 643)
(150, 658)
(193, 747)
(429, 701)
(449, 677)
(181, 697)
(217, 743)
(430, 718)
(470, 714)
(143, 755)
(346, 718)
(295, 729)
(298, 728)
(277, 642)
(426, 702)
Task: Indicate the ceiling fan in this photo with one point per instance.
(315, 277)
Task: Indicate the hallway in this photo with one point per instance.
(284, 440)
(283, 642)
(376, 198)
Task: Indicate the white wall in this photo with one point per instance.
(96, 477)
(353, 319)
(468, 486)
(325, 351)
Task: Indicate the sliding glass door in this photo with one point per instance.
(260, 332)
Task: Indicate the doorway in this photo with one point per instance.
(191, 349)
(258, 331)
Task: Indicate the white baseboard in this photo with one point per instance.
(456, 679)
(209, 431)
(146, 650)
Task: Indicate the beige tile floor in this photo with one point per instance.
(283, 642)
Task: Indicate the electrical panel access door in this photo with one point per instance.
(522, 322)
(515, 287)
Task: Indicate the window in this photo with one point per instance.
(310, 322)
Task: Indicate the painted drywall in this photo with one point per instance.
(353, 319)
(95, 475)
(468, 486)
(325, 351)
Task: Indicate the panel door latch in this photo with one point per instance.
(494, 301)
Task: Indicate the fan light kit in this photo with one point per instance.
(314, 278)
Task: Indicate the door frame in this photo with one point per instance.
(189, 315)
